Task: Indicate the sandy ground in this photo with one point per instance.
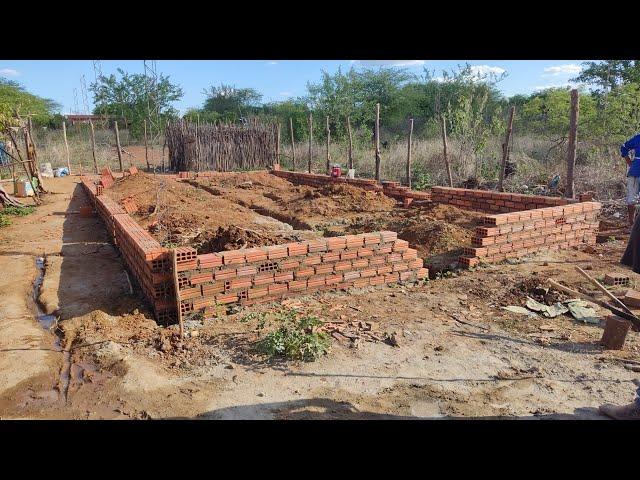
(458, 355)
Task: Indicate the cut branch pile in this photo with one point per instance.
(220, 147)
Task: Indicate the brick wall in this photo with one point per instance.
(270, 273)
(145, 258)
(511, 235)
(318, 180)
(254, 274)
(493, 202)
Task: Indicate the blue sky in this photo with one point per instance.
(275, 79)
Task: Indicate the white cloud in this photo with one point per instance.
(9, 72)
(285, 94)
(483, 70)
(568, 69)
(272, 63)
(388, 63)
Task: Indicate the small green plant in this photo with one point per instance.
(294, 337)
(421, 179)
(611, 238)
(15, 212)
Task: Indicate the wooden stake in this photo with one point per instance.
(350, 158)
(573, 138)
(328, 131)
(293, 145)
(310, 139)
(377, 141)
(444, 145)
(93, 147)
(66, 145)
(277, 143)
(409, 153)
(176, 288)
(32, 157)
(146, 146)
(505, 149)
(115, 127)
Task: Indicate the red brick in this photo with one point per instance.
(263, 279)
(276, 251)
(246, 271)
(351, 275)
(317, 246)
(333, 279)
(297, 285)
(197, 278)
(209, 260)
(224, 274)
(240, 283)
(410, 254)
(323, 269)
(399, 267)
(212, 289)
(297, 248)
(365, 252)
(372, 238)
(331, 257)
(378, 280)
(304, 272)
(312, 260)
(228, 298)
(342, 266)
(360, 263)
(277, 288)
(232, 258)
(400, 246)
(289, 264)
(349, 255)
(369, 272)
(257, 293)
(336, 243)
(315, 281)
(283, 277)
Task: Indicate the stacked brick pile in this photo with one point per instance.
(318, 180)
(493, 202)
(510, 235)
(146, 259)
(270, 273)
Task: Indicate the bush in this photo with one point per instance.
(294, 338)
(13, 211)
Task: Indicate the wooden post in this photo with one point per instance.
(31, 156)
(146, 147)
(350, 158)
(293, 145)
(310, 139)
(176, 289)
(277, 143)
(93, 147)
(409, 153)
(115, 126)
(444, 144)
(66, 145)
(505, 149)
(328, 131)
(573, 138)
(377, 141)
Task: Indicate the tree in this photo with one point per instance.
(608, 74)
(136, 98)
(16, 101)
(231, 102)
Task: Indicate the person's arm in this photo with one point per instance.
(626, 147)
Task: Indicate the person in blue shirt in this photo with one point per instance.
(633, 173)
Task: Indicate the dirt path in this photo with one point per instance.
(113, 361)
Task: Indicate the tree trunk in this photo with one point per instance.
(377, 141)
(310, 139)
(350, 158)
(444, 145)
(293, 146)
(409, 152)
(505, 149)
(93, 147)
(573, 139)
(115, 126)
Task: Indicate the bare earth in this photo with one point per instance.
(458, 355)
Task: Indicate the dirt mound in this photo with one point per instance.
(436, 236)
(233, 238)
(337, 199)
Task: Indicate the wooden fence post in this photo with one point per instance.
(310, 138)
(573, 138)
(444, 144)
(277, 143)
(409, 153)
(115, 126)
(293, 145)
(93, 147)
(505, 149)
(328, 143)
(66, 145)
(377, 141)
(146, 147)
(176, 286)
(350, 158)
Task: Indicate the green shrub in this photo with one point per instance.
(13, 211)
(294, 338)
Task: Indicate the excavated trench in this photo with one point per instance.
(49, 322)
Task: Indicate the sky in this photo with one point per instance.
(61, 80)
